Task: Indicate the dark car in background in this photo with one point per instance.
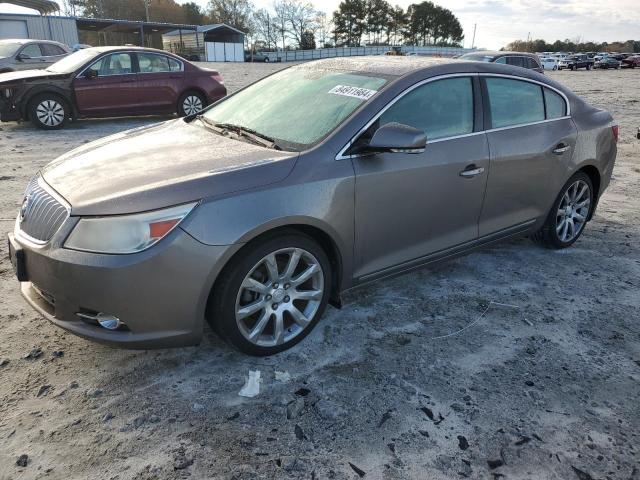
(631, 61)
(606, 63)
(21, 54)
(574, 62)
(517, 59)
(108, 82)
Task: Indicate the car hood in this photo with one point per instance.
(12, 77)
(161, 165)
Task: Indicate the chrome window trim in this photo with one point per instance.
(28, 238)
(341, 154)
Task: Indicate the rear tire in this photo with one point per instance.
(190, 103)
(568, 216)
(262, 310)
(48, 111)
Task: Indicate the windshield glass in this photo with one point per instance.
(477, 57)
(7, 49)
(297, 107)
(72, 62)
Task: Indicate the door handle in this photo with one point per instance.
(471, 171)
(561, 148)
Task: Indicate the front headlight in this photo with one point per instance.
(126, 233)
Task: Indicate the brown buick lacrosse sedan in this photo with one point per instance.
(257, 212)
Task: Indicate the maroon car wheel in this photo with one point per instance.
(48, 111)
(191, 103)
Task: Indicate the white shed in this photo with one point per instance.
(217, 42)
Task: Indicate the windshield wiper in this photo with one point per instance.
(245, 132)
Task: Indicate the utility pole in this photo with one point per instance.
(146, 9)
(473, 42)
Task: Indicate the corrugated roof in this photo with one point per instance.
(207, 28)
(42, 6)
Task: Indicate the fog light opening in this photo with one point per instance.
(105, 320)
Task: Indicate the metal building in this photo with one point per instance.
(212, 43)
(45, 27)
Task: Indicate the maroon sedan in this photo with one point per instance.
(631, 61)
(108, 82)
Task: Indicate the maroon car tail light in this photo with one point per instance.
(616, 132)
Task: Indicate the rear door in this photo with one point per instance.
(52, 53)
(531, 142)
(160, 80)
(409, 205)
(113, 91)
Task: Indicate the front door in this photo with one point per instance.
(410, 205)
(30, 58)
(111, 90)
(159, 82)
(531, 142)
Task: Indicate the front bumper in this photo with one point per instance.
(9, 112)
(160, 294)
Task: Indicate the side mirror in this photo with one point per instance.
(23, 56)
(396, 137)
(90, 73)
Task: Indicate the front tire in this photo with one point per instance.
(191, 103)
(272, 294)
(569, 214)
(48, 111)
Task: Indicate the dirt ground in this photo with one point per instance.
(544, 384)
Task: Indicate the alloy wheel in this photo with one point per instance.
(573, 211)
(279, 297)
(192, 104)
(50, 113)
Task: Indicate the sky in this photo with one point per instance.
(500, 22)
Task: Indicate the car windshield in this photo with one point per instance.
(71, 63)
(476, 57)
(296, 107)
(7, 49)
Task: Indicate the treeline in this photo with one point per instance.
(629, 46)
(295, 23)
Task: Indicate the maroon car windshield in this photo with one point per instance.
(71, 63)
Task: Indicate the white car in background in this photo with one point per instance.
(549, 63)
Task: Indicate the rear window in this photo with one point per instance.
(514, 102)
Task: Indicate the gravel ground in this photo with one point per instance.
(545, 382)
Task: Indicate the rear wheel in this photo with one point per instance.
(569, 213)
(272, 295)
(191, 103)
(48, 111)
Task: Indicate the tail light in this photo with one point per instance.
(218, 78)
(616, 132)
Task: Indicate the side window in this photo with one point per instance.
(514, 102)
(515, 61)
(443, 108)
(49, 50)
(530, 63)
(554, 104)
(33, 50)
(174, 65)
(114, 64)
(152, 63)
(502, 60)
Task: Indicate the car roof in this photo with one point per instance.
(490, 53)
(27, 40)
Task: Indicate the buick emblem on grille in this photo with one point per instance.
(24, 209)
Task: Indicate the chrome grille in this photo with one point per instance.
(42, 214)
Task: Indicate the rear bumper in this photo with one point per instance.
(160, 294)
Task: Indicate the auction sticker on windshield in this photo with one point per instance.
(355, 92)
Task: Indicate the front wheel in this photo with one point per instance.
(48, 111)
(569, 213)
(191, 103)
(271, 295)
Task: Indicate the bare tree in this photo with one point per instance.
(266, 27)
